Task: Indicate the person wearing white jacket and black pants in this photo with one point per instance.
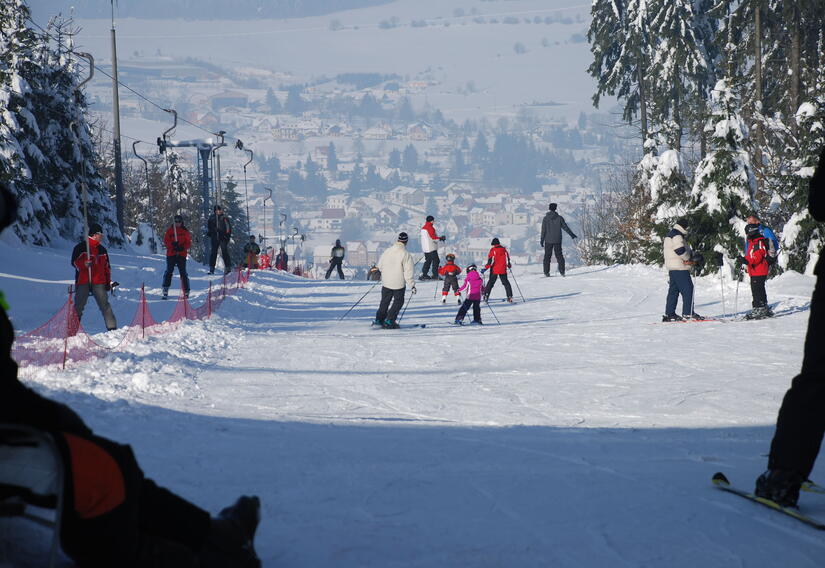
(396, 266)
(678, 260)
(429, 246)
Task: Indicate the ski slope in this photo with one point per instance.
(578, 433)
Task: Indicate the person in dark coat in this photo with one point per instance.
(112, 514)
(801, 421)
(551, 228)
(92, 269)
(281, 259)
(219, 229)
(178, 241)
(336, 259)
(251, 250)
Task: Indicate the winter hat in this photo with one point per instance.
(178, 218)
(495, 241)
(251, 237)
(402, 237)
(430, 218)
(553, 206)
(94, 229)
(752, 230)
(471, 267)
(338, 242)
(682, 222)
(450, 256)
(217, 206)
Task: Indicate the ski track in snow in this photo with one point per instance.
(573, 434)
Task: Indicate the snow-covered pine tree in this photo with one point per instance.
(723, 187)
(45, 122)
(233, 208)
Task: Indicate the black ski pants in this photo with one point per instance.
(801, 421)
(549, 249)
(150, 527)
(335, 263)
(760, 296)
(171, 263)
(492, 281)
(462, 311)
(450, 281)
(387, 312)
(431, 260)
(223, 245)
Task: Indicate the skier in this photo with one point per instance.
(450, 272)
(178, 241)
(336, 259)
(756, 260)
(112, 515)
(92, 269)
(773, 250)
(374, 275)
(429, 246)
(251, 250)
(473, 284)
(281, 259)
(678, 261)
(219, 230)
(800, 424)
(499, 260)
(396, 266)
(551, 228)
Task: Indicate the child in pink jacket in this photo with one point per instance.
(473, 283)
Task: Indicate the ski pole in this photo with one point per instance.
(405, 307)
(492, 312)
(722, 285)
(359, 300)
(736, 296)
(513, 274)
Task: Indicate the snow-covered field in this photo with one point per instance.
(578, 433)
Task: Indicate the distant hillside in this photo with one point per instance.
(202, 10)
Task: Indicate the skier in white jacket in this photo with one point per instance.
(429, 246)
(396, 266)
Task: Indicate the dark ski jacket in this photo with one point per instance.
(219, 227)
(281, 260)
(337, 252)
(252, 248)
(551, 228)
(816, 204)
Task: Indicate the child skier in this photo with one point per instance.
(499, 260)
(473, 283)
(450, 272)
(756, 259)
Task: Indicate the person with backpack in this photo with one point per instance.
(396, 266)
(429, 246)
(765, 231)
(450, 272)
(336, 260)
(800, 425)
(756, 261)
(251, 250)
(93, 274)
(499, 260)
(219, 230)
(679, 258)
(551, 228)
(178, 241)
(474, 284)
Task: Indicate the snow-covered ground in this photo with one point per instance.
(578, 433)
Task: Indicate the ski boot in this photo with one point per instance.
(780, 486)
(694, 316)
(458, 322)
(165, 295)
(458, 300)
(671, 317)
(424, 277)
(444, 300)
(378, 322)
(389, 324)
(510, 300)
(186, 294)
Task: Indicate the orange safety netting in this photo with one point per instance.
(63, 340)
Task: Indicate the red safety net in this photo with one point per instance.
(62, 340)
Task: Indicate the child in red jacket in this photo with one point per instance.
(450, 272)
(499, 260)
(758, 268)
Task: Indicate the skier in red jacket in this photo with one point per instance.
(178, 241)
(756, 260)
(499, 260)
(92, 271)
(450, 272)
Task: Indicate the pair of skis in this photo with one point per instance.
(720, 481)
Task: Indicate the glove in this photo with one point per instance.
(509, 265)
(541, 244)
(483, 270)
(413, 290)
(741, 259)
(177, 246)
(442, 238)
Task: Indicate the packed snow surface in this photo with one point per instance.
(579, 432)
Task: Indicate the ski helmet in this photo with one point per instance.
(450, 256)
(471, 267)
(752, 230)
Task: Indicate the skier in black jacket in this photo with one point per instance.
(336, 259)
(551, 228)
(801, 421)
(112, 515)
(219, 229)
